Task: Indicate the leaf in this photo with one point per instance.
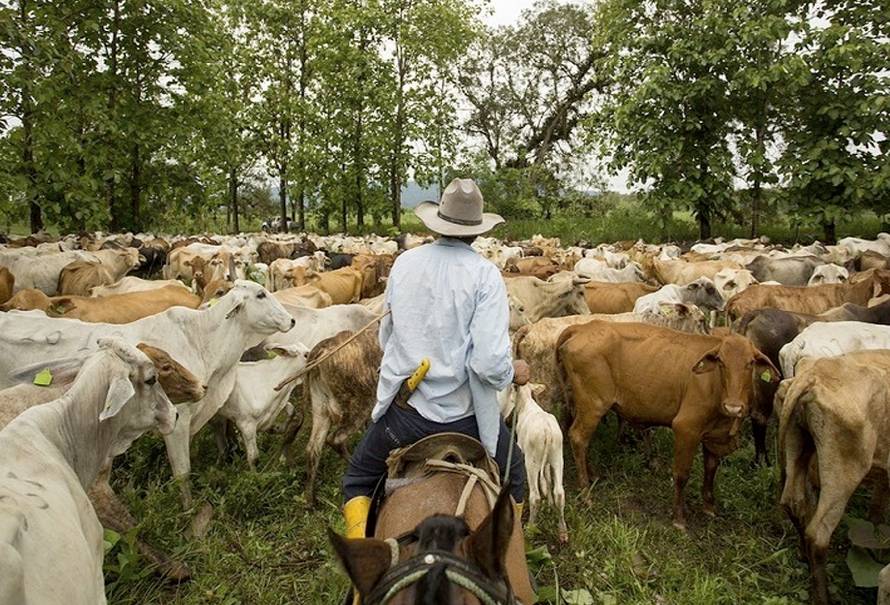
(539, 555)
(109, 539)
(864, 534)
(581, 596)
(864, 568)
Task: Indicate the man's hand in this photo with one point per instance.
(521, 372)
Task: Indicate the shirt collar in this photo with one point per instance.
(452, 242)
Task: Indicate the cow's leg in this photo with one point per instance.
(177, 443)
(838, 478)
(559, 494)
(321, 426)
(247, 428)
(685, 443)
(758, 431)
(220, 436)
(877, 509)
(712, 462)
(532, 473)
(796, 456)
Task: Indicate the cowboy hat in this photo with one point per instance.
(459, 213)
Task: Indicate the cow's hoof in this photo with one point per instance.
(680, 524)
(563, 537)
(176, 572)
(710, 509)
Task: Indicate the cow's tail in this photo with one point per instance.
(563, 383)
(546, 480)
(792, 395)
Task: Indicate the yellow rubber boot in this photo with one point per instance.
(355, 513)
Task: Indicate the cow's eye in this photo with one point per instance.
(261, 295)
(730, 284)
(150, 381)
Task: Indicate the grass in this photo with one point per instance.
(266, 545)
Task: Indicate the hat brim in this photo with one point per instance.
(428, 212)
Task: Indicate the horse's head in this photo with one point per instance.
(441, 561)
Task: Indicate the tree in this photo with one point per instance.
(836, 155)
(668, 113)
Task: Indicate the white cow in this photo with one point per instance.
(701, 293)
(830, 339)
(540, 438)
(254, 404)
(208, 342)
(856, 246)
(730, 282)
(600, 271)
(828, 274)
(135, 284)
(279, 269)
(43, 273)
(50, 538)
(314, 325)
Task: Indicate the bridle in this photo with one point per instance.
(457, 571)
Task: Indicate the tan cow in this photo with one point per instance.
(536, 343)
(374, 269)
(700, 386)
(534, 266)
(27, 299)
(7, 283)
(604, 297)
(682, 272)
(532, 299)
(810, 300)
(834, 429)
(303, 296)
(344, 285)
(79, 277)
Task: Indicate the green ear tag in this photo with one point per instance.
(271, 354)
(766, 376)
(212, 301)
(44, 378)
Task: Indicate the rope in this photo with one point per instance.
(318, 361)
(474, 476)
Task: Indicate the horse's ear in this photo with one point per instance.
(365, 559)
(488, 544)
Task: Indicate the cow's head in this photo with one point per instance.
(134, 400)
(26, 300)
(252, 304)
(176, 380)
(739, 363)
(730, 282)
(828, 274)
(703, 293)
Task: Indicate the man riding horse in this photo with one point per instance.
(448, 305)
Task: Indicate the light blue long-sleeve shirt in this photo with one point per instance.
(450, 305)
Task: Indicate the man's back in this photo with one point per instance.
(449, 305)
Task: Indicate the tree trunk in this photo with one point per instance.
(756, 198)
(282, 197)
(301, 164)
(233, 200)
(110, 189)
(35, 215)
(704, 223)
(829, 229)
(395, 166)
(135, 189)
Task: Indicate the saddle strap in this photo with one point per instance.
(475, 476)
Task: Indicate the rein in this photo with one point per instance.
(457, 571)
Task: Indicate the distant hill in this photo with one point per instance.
(413, 194)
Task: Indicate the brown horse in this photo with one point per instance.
(422, 554)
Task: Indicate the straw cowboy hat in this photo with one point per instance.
(459, 213)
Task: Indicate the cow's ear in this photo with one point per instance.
(488, 544)
(765, 370)
(364, 559)
(692, 286)
(708, 362)
(120, 391)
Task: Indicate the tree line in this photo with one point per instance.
(138, 114)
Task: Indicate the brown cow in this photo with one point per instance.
(7, 283)
(834, 430)
(27, 299)
(534, 266)
(374, 269)
(79, 277)
(700, 386)
(303, 296)
(810, 300)
(344, 285)
(604, 297)
(681, 272)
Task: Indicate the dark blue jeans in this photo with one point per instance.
(400, 427)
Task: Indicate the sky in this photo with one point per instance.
(506, 12)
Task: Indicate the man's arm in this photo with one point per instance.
(386, 323)
(490, 357)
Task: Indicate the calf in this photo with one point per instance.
(701, 293)
(700, 386)
(50, 454)
(834, 429)
(539, 436)
(7, 284)
(254, 404)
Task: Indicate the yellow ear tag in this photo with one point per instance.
(44, 378)
(270, 354)
(212, 301)
(766, 376)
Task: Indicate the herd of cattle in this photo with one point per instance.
(121, 334)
